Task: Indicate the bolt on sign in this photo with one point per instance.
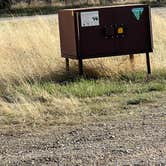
(105, 31)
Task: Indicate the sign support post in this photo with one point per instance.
(148, 63)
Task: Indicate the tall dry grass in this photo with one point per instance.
(30, 50)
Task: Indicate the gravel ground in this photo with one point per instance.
(128, 141)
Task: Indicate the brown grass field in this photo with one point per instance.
(30, 48)
(30, 51)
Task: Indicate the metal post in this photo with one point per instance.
(131, 56)
(148, 63)
(80, 64)
(67, 64)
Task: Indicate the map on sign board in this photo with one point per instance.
(89, 19)
(137, 12)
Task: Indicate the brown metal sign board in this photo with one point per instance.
(105, 31)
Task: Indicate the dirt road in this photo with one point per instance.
(51, 16)
(123, 141)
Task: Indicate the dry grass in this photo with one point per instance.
(30, 51)
(30, 48)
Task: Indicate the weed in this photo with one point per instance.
(92, 88)
(138, 100)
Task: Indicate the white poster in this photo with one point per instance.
(89, 19)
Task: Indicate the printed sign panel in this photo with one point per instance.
(89, 19)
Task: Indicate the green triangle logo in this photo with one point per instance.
(137, 12)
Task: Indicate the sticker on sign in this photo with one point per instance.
(137, 12)
(89, 19)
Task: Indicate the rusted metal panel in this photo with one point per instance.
(105, 31)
